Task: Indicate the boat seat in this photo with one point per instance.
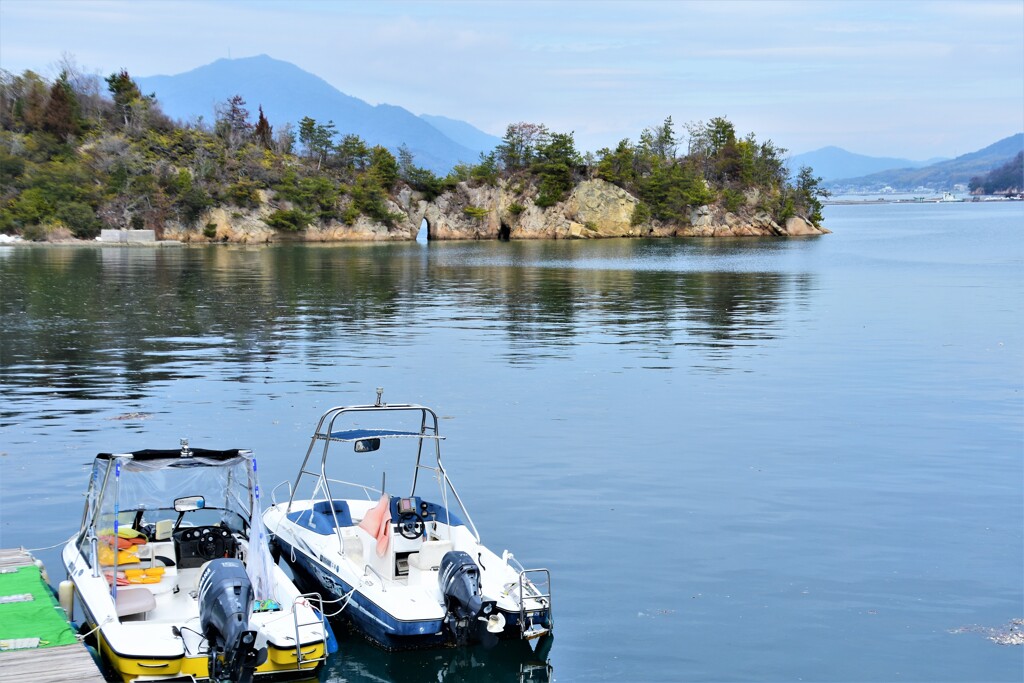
(352, 546)
(320, 519)
(137, 600)
(430, 554)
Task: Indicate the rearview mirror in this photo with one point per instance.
(367, 445)
(189, 503)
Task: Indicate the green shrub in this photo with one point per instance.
(316, 193)
(289, 220)
(732, 200)
(350, 215)
(244, 193)
(192, 202)
(34, 233)
(210, 231)
(476, 212)
(370, 199)
(515, 208)
(80, 219)
(641, 214)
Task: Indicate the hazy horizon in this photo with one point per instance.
(914, 80)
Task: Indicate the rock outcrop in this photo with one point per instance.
(594, 209)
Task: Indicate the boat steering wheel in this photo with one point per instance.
(411, 526)
(211, 544)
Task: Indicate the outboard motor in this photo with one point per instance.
(459, 579)
(225, 603)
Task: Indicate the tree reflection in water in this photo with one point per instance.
(92, 322)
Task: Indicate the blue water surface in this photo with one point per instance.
(743, 460)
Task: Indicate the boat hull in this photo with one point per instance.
(369, 619)
(281, 665)
(362, 614)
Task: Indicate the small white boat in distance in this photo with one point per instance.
(172, 566)
(407, 571)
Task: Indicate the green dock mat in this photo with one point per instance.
(40, 617)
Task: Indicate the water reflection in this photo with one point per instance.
(91, 323)
(507, 662)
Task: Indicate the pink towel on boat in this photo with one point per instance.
(377, 523)
(385, 536)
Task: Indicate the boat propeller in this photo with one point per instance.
(495, 623)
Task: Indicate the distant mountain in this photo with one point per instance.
(287, 94)
(943, 175)
(463, 133)
(830, 163)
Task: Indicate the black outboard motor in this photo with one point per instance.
(225, 603)
(459, 579)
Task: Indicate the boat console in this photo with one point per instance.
(194, 546)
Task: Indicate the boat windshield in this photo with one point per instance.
(194, 486)
(224, 482)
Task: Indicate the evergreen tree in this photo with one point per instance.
(555, 162)
(664, 143)
(519, 145)
(383, 167)
(352, 155)
(808, 190)
(61, 117)
(233, 122)
(318, 139)
(264, 133)
(130, 105)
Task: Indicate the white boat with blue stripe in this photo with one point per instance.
(406, 571)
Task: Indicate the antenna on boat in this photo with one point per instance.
(380, 394)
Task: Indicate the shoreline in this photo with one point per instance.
(919, 200)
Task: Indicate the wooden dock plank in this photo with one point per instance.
(15, 557)
(44, 664)
(49, 665)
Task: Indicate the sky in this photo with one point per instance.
(895, 78)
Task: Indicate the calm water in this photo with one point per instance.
(750, 460)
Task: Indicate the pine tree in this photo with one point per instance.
(233, 121)
(263, 132)
(61, 117)
(128, 98)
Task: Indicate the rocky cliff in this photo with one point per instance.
(594, 209)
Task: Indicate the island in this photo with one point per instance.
(77, 160)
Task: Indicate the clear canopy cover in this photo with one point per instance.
(150, 481)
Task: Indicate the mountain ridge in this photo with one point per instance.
(288, 93)
(833, 162)
(943, 175)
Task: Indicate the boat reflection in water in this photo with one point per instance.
(509, 661)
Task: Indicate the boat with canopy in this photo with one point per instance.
(173, 570)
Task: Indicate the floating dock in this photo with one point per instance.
(36, 641)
